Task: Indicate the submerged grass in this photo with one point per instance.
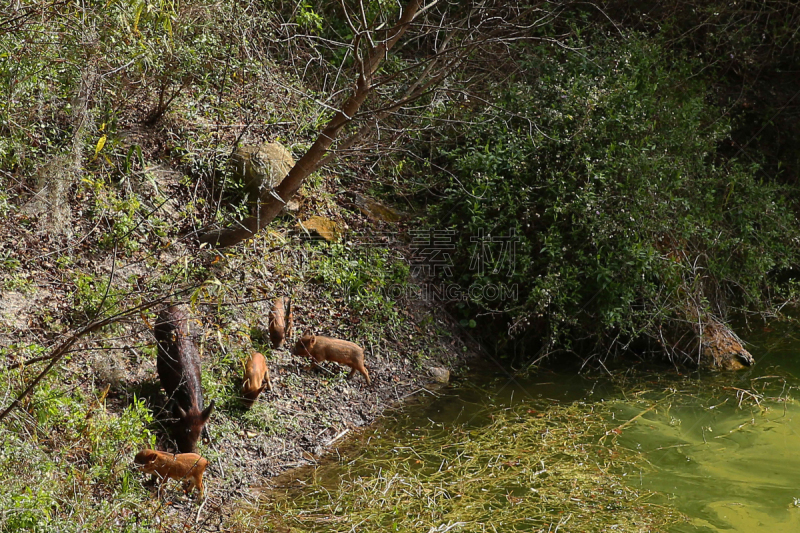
(521, 469)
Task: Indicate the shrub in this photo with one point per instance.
(367, 278)
(75, 456)
(603, 162)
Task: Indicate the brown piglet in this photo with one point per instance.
(320, 349)
(187, 467)
(256, 379)
(280, 321)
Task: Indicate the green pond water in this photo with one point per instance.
(728, 460)
(720, 449)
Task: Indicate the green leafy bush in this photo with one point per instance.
(602, 161)
(75, 455)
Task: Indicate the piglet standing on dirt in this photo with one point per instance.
(320, 349)
(182, 467)
(280, 321)
(178, 368)
(256, 379)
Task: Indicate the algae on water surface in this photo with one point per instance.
(534, 466)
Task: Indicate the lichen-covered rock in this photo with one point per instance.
(324, 227)
(261, 167)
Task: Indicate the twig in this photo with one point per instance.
(337, 437)
(200, 509)
(617, 430)
(29, 362)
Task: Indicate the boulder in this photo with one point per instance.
(260, 167)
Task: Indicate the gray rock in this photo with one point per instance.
(439, 374)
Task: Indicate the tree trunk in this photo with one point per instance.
(273, 200)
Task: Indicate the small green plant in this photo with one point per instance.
(370, 280)
(264, 417)
(83, 468)
(20, 282)
(92, 297)
(6, 207)
(309, 19)
(122, 221)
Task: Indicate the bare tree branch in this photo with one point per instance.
(62, 349)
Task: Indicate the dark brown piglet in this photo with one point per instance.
(178, 368)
